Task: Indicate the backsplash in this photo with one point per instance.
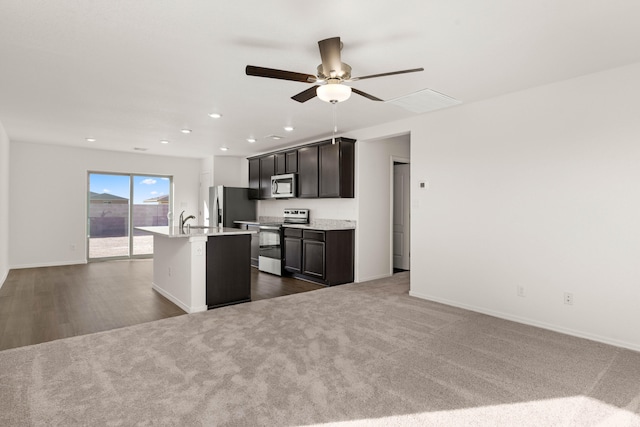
(344, 209)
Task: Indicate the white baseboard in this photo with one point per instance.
(531, 322)
(47, 264)
(381, 276)
(177, 302)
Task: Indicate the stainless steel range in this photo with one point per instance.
(271, 239)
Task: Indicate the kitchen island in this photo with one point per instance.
(201, 268)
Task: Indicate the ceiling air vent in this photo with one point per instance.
(140, 149)
(424, 101)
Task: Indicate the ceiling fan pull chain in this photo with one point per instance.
(335, 122)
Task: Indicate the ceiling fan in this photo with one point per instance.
(332, 73)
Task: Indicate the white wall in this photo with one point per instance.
(4, 205)
(48, 198)
(375, 171)
(227, 170)
(539, 189)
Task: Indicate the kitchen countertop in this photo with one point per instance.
(318, 224)
(321, 227)
(321, 224)
(175, 232)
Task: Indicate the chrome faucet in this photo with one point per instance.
(183, 220)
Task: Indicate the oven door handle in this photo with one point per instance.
(269, 227)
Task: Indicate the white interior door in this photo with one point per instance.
(401, 216)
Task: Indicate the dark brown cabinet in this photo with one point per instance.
(291, 161)
(267, 169)
(228, 270)
(313, 254)
(324, 169)
(308, 172)
(254, 178)
(281, 164)
(286, 162)
(325, 257)
(293, 250)
(336, 169)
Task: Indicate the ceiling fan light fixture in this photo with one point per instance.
(333, 92)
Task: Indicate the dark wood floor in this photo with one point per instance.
(48, 303)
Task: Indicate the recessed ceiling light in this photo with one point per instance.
(288, 128)
(251, 140)
(274, 137)
(186, 131)
(164, 141)
(91, 140)
(224, 148)
(215, 115)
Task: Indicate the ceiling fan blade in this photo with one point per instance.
(365, 94)
(330, 54)
(279, 74)
(413, 70)
(305, 95)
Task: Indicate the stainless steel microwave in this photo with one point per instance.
(283, 186)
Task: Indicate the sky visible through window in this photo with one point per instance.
(144, 187)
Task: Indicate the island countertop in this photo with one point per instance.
(176, 232)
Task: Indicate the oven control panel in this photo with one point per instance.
(296, 216)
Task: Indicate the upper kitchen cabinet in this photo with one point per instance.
(260, 171)
(254, 178)
(287, 162)
(324, 169)
(267, 169)
(291, 161)
(281, 166)
(336, 164)
(308, 172)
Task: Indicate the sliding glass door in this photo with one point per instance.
(150, 207)
(119, 202)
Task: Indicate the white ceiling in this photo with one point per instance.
(131, 73)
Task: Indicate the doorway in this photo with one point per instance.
(116, 204)
(401, 217)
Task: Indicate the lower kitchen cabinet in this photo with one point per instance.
(313, 253)
(322, 256)
(293, 254)
(255, 241)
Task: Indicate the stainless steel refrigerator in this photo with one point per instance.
(229, 204)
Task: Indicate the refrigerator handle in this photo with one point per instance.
(218, 208)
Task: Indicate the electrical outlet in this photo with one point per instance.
(169, 271)
(520, 291)
(568, 298)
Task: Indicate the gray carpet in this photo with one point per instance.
(360, 354)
